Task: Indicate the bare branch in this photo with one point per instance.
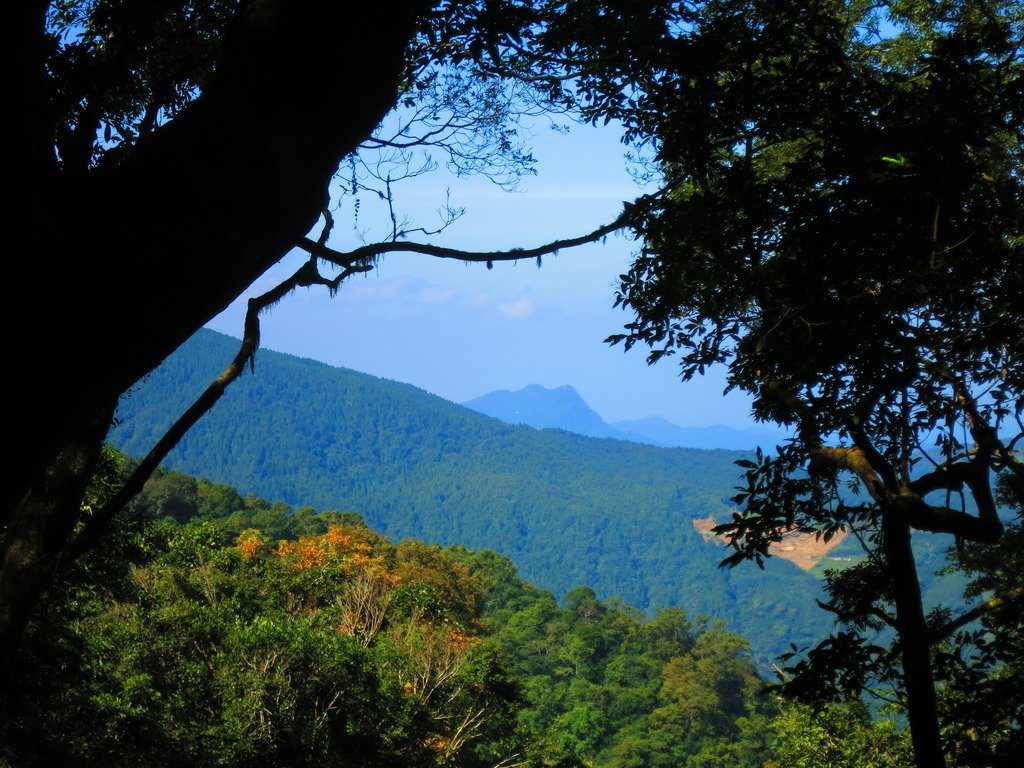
(368, 253)
(96, 525)
(356, 261)
(938, 519)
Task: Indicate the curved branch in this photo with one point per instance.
(307, 275)
(947, 477)
(876, 460)
(938, 519)
(359, 260)
(368, 253)
(852, 459)
(1014, 598)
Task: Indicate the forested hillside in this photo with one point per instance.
(568, 510)
(185, 642)
(217, 629)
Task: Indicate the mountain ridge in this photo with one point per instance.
(541, 408)
(568, 509)
(564, 408)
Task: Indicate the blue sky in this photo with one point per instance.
(460, 331)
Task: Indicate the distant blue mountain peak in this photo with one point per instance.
(564, 408)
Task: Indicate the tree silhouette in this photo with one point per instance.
(843, 231)
(167, 156)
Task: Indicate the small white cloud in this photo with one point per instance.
(519, 309)
(434, 295)
(376, 290)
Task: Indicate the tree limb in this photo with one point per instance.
(96, 525)
(939, 519)
(876, 460)
(206, 202)
(947, 477)
(353, 262)
(1014, 598)
(851, 459)
(368, 253)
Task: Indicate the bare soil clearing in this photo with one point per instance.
(801, 548)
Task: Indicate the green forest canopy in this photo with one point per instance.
(568, 510)
(185, 642)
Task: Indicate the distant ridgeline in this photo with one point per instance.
(563, 408)
(569, 510)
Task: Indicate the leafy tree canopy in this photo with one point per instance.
(842, 227)
(168, 644)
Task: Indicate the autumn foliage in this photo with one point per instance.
(342, 548)
(410, 606)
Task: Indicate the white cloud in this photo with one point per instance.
(519, 309)
(376, 290)
(435, 295)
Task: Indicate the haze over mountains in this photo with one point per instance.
(563, 408)
(569, 510)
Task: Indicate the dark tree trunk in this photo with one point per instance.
(38, 532)
(112, 269)
(922, 708)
